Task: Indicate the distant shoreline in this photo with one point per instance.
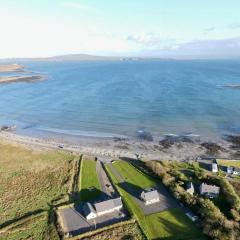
(11, 68)
(15, 79)
(18, 78)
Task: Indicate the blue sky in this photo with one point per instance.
(165, 28)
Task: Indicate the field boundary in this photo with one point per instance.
(22, 220)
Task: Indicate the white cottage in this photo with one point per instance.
(92, 211)
(214, 168)
(150, 196)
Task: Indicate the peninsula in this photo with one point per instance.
(4, 80)
(11, 67)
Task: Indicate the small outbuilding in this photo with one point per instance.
(191, 216)
(150, 196)
(214, 167)
(230, 170)
(190, 188)
(236, 171)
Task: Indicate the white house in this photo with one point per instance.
(214, 168)
(230, 170)
(150, 196)
(236, 171)
(209, 190)
(92, 211)
(190, 188)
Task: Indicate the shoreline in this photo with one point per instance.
(11, 68)
(6, 80)
(113, 148)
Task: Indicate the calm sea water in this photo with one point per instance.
(107, 98)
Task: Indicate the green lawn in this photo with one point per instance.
(172, 224)
(168, 225)
(133, 176)
(89, 184)
(232, 163)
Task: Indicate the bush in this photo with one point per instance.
(230, 193)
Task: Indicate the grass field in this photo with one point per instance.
(232, 163)
(88, 180)
(37, 228)
(29, 182)
(128, 230)
(171, 224)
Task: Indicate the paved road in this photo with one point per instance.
(104, 194)
(166, 200)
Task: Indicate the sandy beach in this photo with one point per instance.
(11, 67)
(15, 79)
(112, 148)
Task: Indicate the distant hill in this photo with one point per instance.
(76, 57)
(83, 57)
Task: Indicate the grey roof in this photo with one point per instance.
(150, 195)
(205, 188)
(237, 169)
(108, 205)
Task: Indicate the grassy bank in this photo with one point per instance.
(29, 182)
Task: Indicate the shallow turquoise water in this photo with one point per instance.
(121, 97)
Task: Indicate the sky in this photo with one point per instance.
(152, 28)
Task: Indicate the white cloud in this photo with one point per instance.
(29, 36)
(153, 41)
(211, 48)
